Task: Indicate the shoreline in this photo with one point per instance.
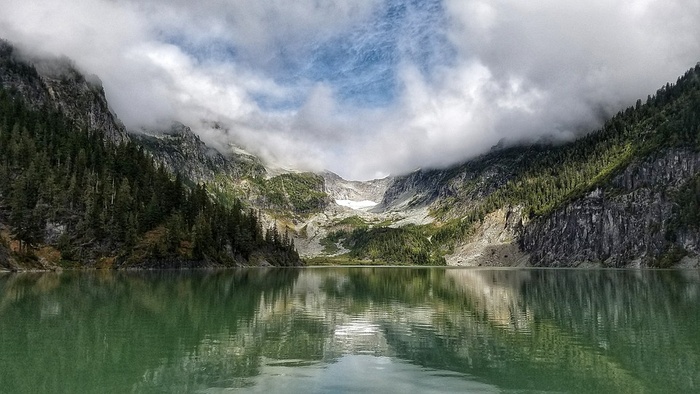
(382, 266)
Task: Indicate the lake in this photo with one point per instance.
(335, 330)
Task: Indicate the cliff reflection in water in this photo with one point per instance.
(563, 330)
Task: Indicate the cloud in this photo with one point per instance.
(367, 88)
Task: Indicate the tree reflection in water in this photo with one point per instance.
(562, 330)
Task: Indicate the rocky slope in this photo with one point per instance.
(56, 83)
(180, 150)
(340, 189)
(494, 242)
(459, 188)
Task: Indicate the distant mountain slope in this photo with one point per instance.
(233, 175)
(341, 189)
(181, 151)
(619, 196)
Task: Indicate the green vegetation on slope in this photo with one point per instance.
(399, 246)
(90, 199)
(283, 195)
(353, 222)
(301, 193)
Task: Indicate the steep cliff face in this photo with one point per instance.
(612, 231)
(629, 223)
(417, 189)
(55, 83)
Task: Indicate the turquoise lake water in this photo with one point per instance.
(346, 330)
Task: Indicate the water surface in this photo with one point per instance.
(350, 330)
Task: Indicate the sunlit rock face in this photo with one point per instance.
(494, 242)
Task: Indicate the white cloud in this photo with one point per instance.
(520, 70)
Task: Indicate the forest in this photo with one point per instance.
(70, 197)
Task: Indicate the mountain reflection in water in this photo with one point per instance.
(351, 329)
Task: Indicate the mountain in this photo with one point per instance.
(77, 191)
(624, 195)
(627, 194)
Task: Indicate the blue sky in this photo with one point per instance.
(366, 88)
(359, 63)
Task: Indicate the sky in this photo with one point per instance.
(366, 88)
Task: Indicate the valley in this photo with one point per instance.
(624, 195)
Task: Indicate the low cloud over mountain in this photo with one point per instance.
(366, 88)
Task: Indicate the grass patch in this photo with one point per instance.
(352, 221)
(302, 193)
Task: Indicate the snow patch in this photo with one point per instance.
(366, 204)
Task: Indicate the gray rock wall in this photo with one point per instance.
(623, 225)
